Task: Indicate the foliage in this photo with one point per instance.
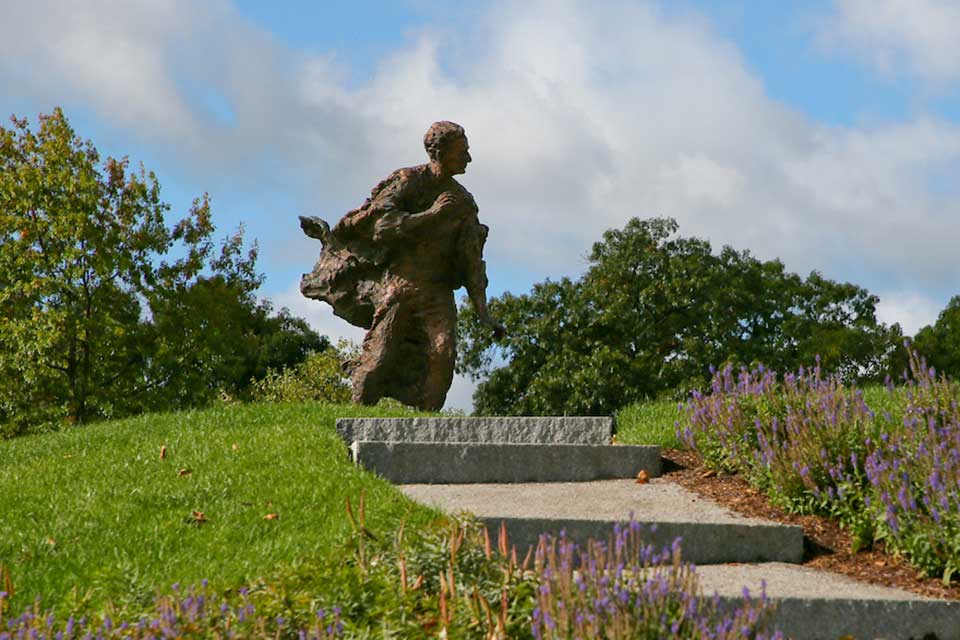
(224, 344)
(650, 422)
(650, 316)
(626, 588)
(450, 582)
(97, 318)
(940, 342)
(318, 378)
(888, 473)
(188, 613)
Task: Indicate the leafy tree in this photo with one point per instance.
(940, 343)
(96, 316)
(651, 315)
(285, 341)
(214, 338)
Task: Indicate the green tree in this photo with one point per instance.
(215, 338)
(940, 343)
(92, 306)
(651, 315)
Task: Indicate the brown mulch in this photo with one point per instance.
(825, 545)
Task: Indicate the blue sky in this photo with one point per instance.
(822, 132)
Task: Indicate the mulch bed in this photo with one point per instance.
(825, 545)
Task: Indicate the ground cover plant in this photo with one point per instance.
(886, 463)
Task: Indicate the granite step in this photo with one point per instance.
(812, 604)
(731, 552)
(710, 533)
(488, 430)
(467, 462)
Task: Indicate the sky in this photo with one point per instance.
(825, 133)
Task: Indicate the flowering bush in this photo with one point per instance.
(814, 445)
(627, 589)
(457, 585)
(189, 613)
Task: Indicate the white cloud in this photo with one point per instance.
(114, 56)
(911, 309)
(580, 115)
(899, 36)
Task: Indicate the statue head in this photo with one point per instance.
(446, 144)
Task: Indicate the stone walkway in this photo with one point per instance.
(541, 475)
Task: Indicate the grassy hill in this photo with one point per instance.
(94, 514)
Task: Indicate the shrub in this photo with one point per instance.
(625, 588)
(186, 613)
(319, 378)
(814, 445)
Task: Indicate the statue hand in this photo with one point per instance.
(315, 228)
(444, 201)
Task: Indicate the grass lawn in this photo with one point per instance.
(93, 514)
(650, 422)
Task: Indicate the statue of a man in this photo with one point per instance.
(392, 265)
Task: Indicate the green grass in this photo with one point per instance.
(93, 515)
(650, 422)
(654, 421)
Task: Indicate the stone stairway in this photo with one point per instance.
(544, 475)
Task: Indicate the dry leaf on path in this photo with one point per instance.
(643, 477)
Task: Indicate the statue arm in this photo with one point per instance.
(476, 276)
(394, 224)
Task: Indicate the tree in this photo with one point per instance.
(940, 343)
(96, 318)
(214, 338)
(651, 315)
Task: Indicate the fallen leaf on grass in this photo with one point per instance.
(163, 452)
(235, 447)
(643, 477)
(197, 517)
(272, 516)
(184, 472)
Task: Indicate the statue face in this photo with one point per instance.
(456, 155)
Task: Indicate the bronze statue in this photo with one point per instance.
(392, 265)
